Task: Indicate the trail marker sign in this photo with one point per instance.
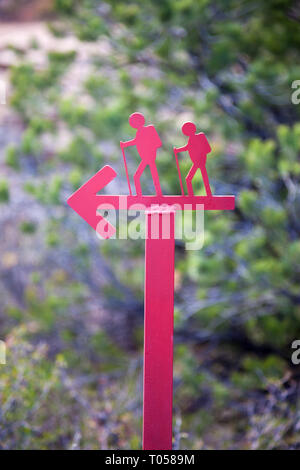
(159, 258)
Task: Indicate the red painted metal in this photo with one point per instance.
(212, 203)
(147, 142)
(85, 201)
(198, 148)
(179, 172)
(158, 345)
(126, 169)
(159, 258)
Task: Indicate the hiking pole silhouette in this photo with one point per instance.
(179, 173)
(126, 169)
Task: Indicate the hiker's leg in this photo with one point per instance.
(189, 178)
(155, 178)
(137, 177)
(206, 181)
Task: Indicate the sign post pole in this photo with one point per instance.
(158, 341)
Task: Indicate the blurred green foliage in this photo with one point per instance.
(227, 65)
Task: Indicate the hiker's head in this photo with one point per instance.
(189, 129)
(136, 120)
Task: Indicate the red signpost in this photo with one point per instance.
(159, 271)
(158, 342)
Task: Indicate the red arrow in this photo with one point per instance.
(85, 201)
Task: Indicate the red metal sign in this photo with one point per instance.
(159, 258)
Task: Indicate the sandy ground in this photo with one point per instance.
(21, 36)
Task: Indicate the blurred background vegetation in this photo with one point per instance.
(71, 306)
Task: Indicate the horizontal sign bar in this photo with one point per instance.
(216, 203)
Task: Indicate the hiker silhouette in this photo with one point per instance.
(198, 148)
(147, 142)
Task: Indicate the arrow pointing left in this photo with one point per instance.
(85, 201)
